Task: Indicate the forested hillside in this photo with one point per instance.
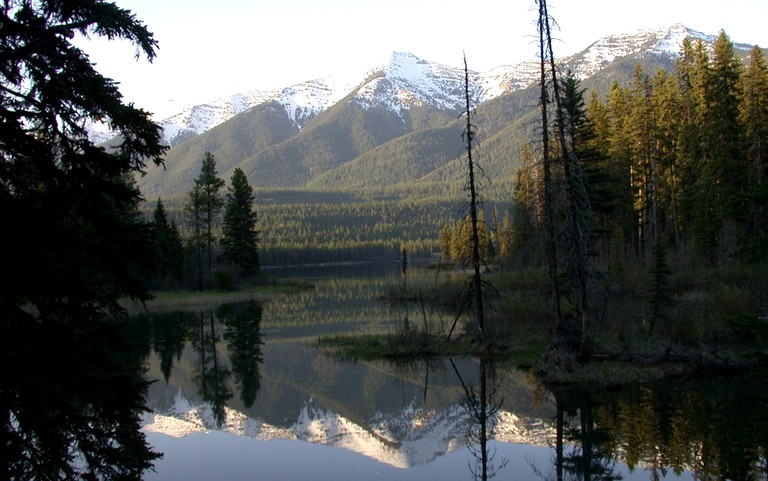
(360, 182)
(670, 162)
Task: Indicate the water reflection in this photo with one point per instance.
(709, 428)
(226, 342)
(247, 369)
(212, 375)
(411, 414)
(242, 322)
(483, 404)
(72, 401)
(589, 456)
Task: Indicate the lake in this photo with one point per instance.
(240, 392)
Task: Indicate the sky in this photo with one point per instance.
(215, 48)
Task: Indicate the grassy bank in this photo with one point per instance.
(710, 321)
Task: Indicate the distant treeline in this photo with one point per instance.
(308, 226)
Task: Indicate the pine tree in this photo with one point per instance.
(168, 249)
(643, 163)
(691, 71)
(618, 168)
(572, 128)
(753, 116)
(444, 241)
(205, 203)
(601, 181)
(240, 238)
(723, 159)
(667, 104)
(526, 221)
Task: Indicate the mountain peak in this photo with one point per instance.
(407, 80)
(287, 137)
(404, 80)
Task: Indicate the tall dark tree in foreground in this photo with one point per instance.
(74, 245)
(575, 130)
(239, 243)
(194, 213)
(574, 227)
(547, 188)
(205, 203)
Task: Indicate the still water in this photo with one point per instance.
(241, 393)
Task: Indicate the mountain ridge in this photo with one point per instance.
(493, 82)
(300, 135)
(412, 437)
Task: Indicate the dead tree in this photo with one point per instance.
(469, 138)
(577, 208)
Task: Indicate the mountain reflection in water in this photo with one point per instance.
(240, 393)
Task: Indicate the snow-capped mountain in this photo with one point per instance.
(407, 81)
(301, 102)
(199, 118)
(397, 124)
(664, 41)
(409, 438)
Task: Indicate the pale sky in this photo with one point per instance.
(210, 49)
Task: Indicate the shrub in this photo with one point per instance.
(223, 280)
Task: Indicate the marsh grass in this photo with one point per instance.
(716, 322)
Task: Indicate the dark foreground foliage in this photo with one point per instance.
(73, 243)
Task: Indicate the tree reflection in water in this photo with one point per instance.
(212, 377)
(242, 332)
(72, 401)
(482, 405)
(589, 457)
(239, 324)
(714, 427)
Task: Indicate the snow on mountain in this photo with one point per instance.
(99, 132)
(199, 118)
(508, 78)
(301, 102)
(658, 41)
(408, 438)
(671, 39)
(305, 100)
(406, 81)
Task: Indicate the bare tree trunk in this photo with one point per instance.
(576, 197)
(549, 216)
(473, 200)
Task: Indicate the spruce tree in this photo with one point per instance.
(168, 249)
(723, 150)
(194, 213)
(240, 238)
(643, 163)
(666, 101)
(753, 117)
(205, 203)
(525, 245)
